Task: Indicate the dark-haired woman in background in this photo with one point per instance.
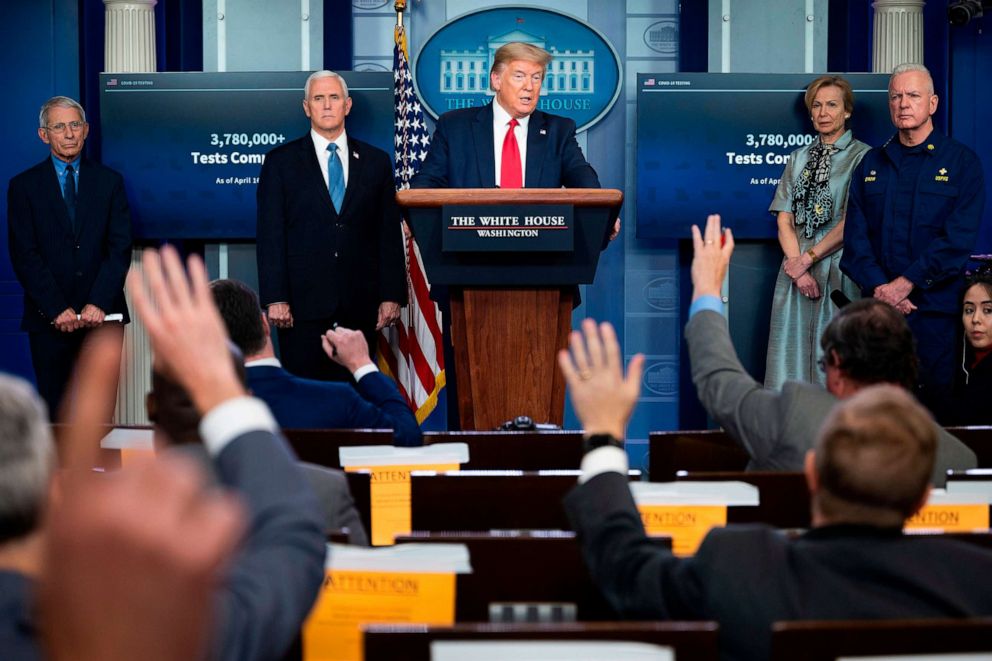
(973, 383)
(810, 201)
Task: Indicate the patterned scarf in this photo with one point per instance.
(811, 194)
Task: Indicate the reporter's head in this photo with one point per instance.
(873, 459)
(27, 459)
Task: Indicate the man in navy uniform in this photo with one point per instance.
(913, 217)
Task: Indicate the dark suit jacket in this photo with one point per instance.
(323, 264)
(58, 268)
(307, 404)
(461, 153)
(775, 427)
(277, 574)
(18, 631)
(747, 577)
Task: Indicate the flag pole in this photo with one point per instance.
(400, 7)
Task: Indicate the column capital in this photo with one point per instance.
(897, 35)
(891, 5)
(110, 4)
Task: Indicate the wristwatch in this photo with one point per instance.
(594, 441)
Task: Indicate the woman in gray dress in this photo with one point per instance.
(810, 203)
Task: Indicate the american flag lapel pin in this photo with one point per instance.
(544, 131)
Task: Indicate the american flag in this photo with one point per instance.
(411, 352)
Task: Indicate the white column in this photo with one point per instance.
(130, 48)
(898, 34)
(130, 36)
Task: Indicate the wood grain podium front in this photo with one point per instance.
(510, 309)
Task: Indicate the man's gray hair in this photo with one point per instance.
(324, 73)
(27, 456)
(907, 67)
(58, 102)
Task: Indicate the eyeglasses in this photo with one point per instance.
(62, 126)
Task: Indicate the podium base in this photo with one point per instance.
(505, 345)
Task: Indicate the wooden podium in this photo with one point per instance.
(510, 311)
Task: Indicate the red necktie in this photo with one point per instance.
(509, 171)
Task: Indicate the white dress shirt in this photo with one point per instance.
(320, 147)
(501, 123)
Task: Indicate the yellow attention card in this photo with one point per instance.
(350, 599)
(687, 525)
(950, 518)
(390, 496)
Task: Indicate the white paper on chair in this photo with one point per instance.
(548, 650)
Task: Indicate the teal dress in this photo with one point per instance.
(796, 321)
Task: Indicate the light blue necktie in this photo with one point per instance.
(335, 177)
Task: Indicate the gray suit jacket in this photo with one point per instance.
(775, 427)
(328, 484)
(277, 574)
(334, 496)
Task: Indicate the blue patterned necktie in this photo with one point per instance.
(69, 193)
(335, 177)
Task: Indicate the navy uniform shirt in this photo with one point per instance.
(926, 239)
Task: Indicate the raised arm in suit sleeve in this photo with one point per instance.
(639, 577)
(276, 576)
(575, 170)
(382, 407)
(270, 236)
(859, 261)
(117, 250)
(32, 271)
(433, 171)
(749, 412)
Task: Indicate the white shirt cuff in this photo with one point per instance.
(603, 460)
(363, 370)
(235, 417)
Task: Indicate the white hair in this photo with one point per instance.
(58, 102)
(907, 67)
(324, 73)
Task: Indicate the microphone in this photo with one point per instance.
(839, 298)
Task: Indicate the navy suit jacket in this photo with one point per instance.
(57, 267)
(307, 404)
(461, 153)
(326, 264)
